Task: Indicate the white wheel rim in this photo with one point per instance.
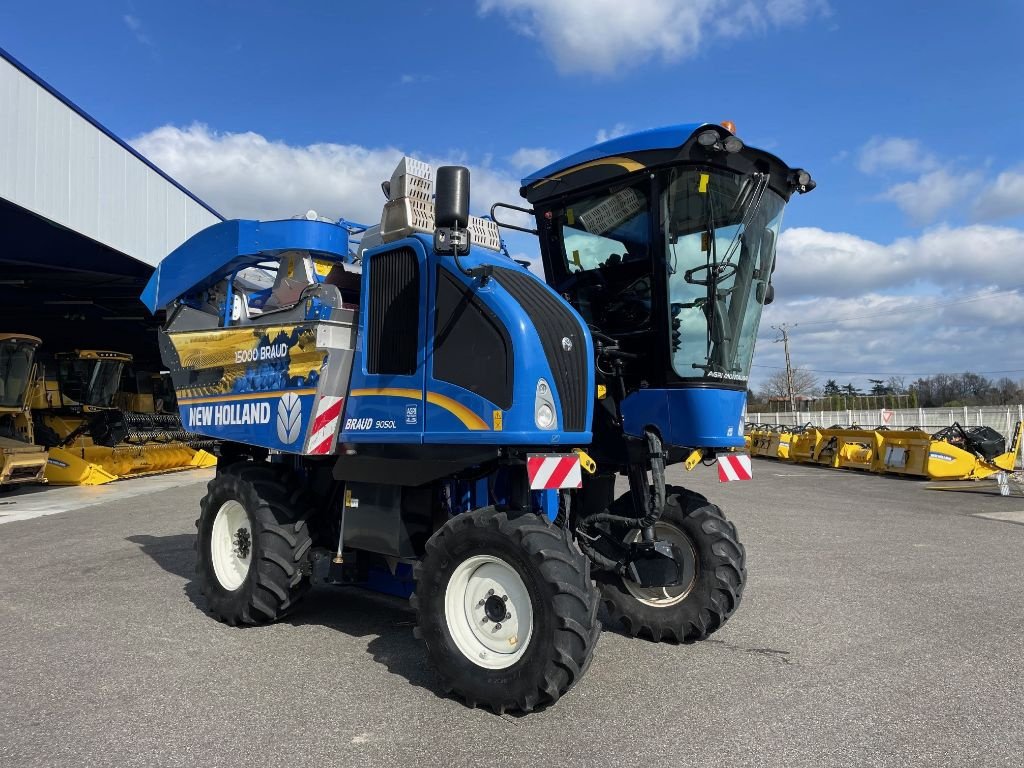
(477, 587)
(231, 545)
(663, 597)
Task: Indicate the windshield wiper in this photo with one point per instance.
(748, 215)
(712, 281)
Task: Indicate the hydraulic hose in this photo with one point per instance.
(654, 504)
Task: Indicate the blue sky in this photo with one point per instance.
(909, 115)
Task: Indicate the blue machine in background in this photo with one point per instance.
(405, 395)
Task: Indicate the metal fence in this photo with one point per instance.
(1002, 418)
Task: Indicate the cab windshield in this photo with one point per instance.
(15, 370)
(90, 382)
(715, 235)
(720, 230)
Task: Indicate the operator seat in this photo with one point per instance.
(294, 275)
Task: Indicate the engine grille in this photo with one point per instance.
(554, 322)
(393, 327)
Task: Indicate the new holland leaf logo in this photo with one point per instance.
(289, 418)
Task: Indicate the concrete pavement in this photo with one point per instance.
(882, 625)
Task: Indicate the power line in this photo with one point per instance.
(886, 373)
(915, 308)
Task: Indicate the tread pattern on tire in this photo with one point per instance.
(722, 574)
(281, 539)
(565, 577)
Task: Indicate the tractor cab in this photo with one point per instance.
(20, 460)
(17, 365)
(89, 380)
(664, 241)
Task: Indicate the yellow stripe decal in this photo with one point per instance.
(414, 394)
(469, 419)
(622, 162)
(227, 396)
(457, 409)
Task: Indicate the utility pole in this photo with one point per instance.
(783, 328)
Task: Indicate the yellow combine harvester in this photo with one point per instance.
(952, 453)
(21, 461)
(91, 440)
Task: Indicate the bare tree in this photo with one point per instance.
(897, 384)
(805, 384)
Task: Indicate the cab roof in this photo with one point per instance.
(22, 337)
(666, 137)
(611, 160)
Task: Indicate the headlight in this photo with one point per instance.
(544, 407)
(545, 416)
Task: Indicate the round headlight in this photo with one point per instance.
(545, 416)
(707, 138)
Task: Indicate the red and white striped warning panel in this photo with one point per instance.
(325, 425)
(550, 471)
(734, 466)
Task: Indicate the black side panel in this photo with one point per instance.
(555, 324)
(393, 327)
(410, 464)
(472, 348)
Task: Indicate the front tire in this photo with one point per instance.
(506, 608)
(714, 576)
(251, 546)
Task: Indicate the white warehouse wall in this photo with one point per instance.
(59, 165)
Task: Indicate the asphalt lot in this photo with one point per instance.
(882, 625)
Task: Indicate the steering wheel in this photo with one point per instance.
(721, 272)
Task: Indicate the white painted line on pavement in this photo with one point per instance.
(28, 503)
(1006, 517)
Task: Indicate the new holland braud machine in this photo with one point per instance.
(420, 414)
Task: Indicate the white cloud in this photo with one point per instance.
(532, 158)
(939, 185)
(893, 153)
(911, 304)
(134, 23)
(415, 79)
(607, 36)
(911, 335)
(1004, 198)
(246, 175)
(932, 193)
(813, 262)
(607, 134)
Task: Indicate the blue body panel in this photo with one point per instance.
(467, 495)
(379, 408)
(421, 409)
(656, 138)
(211, 255)
(695, 417)
(261, 429)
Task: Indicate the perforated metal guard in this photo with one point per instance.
(485, 233)
(411, 208)
(612, 212)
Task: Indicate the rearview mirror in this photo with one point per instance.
(451, 199)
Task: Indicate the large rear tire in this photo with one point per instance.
(715, 574)
(252, 543)
(506, 608)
